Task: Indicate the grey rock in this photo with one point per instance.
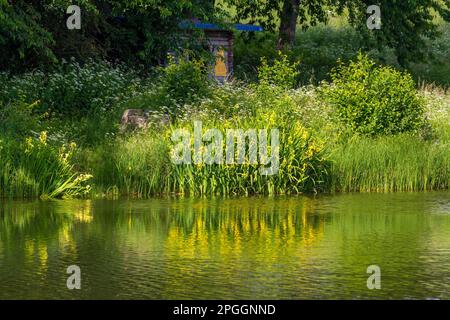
(143, 119)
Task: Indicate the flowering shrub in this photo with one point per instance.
(73, 89)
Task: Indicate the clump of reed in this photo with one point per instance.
(390, 163)
(140, 166)
(35, 168)
(302, 166)
(136, 166)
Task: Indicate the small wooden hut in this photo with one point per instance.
(220, 42)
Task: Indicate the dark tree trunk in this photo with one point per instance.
(288, 23)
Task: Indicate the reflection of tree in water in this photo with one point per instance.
(210, 248)
(31, 232)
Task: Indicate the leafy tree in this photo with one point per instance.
(287, 12)
(33, 32)
(22, 35)
(151, 27)
(141, 31)
(404, 23)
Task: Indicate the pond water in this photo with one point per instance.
(248, 248)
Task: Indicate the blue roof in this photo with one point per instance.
(213, 26)
(248, 27)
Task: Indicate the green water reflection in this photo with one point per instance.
(255, 248)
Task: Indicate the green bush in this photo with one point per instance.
(282, 73)
(76, 102)
(18, 119)
(82, 89)
(184, 81)
(375, 100)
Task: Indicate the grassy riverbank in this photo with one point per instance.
(370, 130)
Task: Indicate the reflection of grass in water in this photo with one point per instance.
(33, 223)
(269, 245)
(353, 231)
(394, 231)
(225, 228)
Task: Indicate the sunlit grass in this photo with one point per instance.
(396, 163)
(37, 169)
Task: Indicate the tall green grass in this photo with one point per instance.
(36, 169)
(394, 163)
(136, 166)
(302, 166)
(140, 166)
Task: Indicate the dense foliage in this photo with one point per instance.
(184, 82)
(315, 153)
(63, 93)
(375, 100)
(72, 89)
(317, 51)
(34, 33)
(77, 101)
(405, 24)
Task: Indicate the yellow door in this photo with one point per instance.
(220, 68)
